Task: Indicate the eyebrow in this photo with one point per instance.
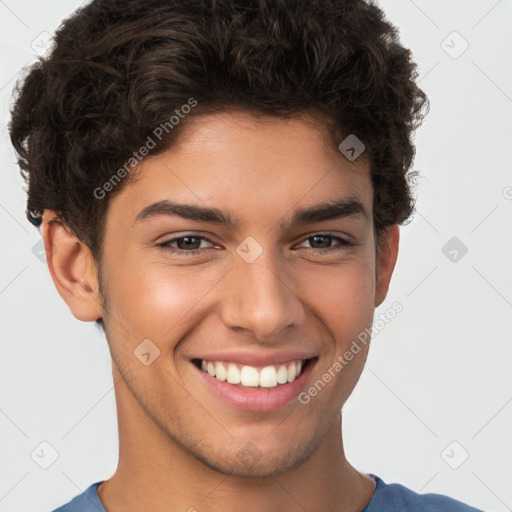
(322, 212)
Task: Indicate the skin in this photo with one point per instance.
(180, 444)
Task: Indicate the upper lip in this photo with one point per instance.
(258, 358)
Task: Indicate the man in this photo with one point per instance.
(220, 186)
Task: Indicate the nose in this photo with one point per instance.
(258, 298)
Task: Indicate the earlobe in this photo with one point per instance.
(386, 258)
(73, 269)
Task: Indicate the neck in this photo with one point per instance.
(155, 473)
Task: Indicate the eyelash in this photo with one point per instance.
(343, 244)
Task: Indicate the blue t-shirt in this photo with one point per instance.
(386, 498)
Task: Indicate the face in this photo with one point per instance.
(242, 291)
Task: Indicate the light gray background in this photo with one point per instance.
(439, 372)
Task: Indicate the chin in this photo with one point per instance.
(251, 461)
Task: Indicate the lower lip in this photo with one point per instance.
(257, 399)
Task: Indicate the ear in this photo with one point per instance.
(72, 268)
(386, 257)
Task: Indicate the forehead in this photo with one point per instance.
(245, 163)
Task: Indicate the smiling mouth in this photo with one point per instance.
(251, 377)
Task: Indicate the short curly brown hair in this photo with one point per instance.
(120, 68)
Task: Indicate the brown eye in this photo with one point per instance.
(324, 242)
(186, 245)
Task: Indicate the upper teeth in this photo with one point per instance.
(267, 377)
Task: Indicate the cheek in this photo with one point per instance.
(342, 297)
(153, 299)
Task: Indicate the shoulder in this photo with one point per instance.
(88, 501)
(391, 497)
